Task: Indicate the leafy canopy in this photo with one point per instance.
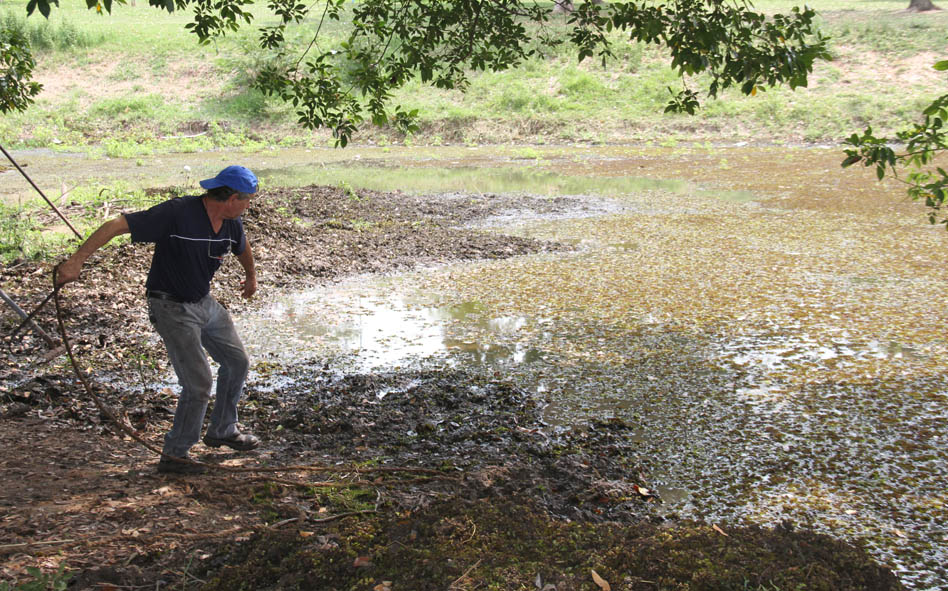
(922, 142)
(442, 41)
(16, 69)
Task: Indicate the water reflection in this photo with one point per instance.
(773, 353)
(376, 327)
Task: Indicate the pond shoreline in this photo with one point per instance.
(577, 490)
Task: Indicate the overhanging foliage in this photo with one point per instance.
(442, 41)
(922, 142)
(16, 64)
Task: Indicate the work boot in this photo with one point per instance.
(240, 441)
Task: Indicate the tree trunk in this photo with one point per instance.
(921, 6)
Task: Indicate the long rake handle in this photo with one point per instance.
(40, 191)
(28, 318)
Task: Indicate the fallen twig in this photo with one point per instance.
(312, 468)
(182, 137)
(90, 543)
(464, 576)
(343, 483)
(341, 516)
(28, 544)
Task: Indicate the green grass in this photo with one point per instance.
(143, 81)
(469, 179)
(31, 231)
(59, 34)
(895, 34)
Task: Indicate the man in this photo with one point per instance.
(191, 237)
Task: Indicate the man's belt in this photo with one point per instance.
(163, 295)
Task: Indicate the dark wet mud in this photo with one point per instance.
(485, 431)
(491, 543)
(524, 505)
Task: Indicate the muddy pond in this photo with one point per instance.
(772, 323)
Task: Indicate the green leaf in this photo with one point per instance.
(941, 66)
(854, 158)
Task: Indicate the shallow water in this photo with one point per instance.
(772, 324)
(374, 328)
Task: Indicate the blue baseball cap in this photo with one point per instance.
(237, 178)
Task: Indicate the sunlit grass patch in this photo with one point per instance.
(468, 179)
(60, 34)
(30, 230)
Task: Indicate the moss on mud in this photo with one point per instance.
(494, 544)
(526, 507)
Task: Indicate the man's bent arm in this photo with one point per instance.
(250, 270)
(69, 269)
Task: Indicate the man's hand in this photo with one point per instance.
(249, 284)
(249, 287)
(68, 271)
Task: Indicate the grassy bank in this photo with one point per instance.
(32, 231)
(135, 82)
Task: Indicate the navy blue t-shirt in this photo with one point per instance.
(187, 250)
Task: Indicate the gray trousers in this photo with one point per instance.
(188, 330)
